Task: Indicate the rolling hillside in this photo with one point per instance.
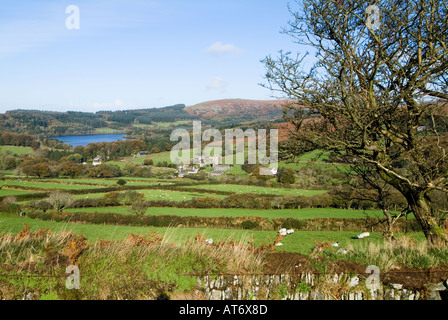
(240, 109)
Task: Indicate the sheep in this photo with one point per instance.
(209, 241)
(363, 235)
(354, 282)
(290, 231)
(282, 232)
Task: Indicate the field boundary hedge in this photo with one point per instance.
(249, 223)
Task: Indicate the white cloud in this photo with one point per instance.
(118, 103)
(220, 48)
(217, 84)
(98, 106)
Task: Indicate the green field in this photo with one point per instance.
(320, 159)
(162, 124)
(259, 190)
(105, 131)
(44, 185)
(13, 224)
(174, 195)
(16, 150)
(307, 213)
(300, 241)
(154, 194)
(156, 157)
(9, 192)
(132, 181)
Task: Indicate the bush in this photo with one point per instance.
(286, 175)
(249, 224)
(43, 205)
(129, 197)
(144, 173)
(86, 203)
(205, 202)
(148, 162)
(111, 199)
(139, 208)
(121, 182)
(11, 208)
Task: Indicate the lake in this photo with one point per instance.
(92, 138)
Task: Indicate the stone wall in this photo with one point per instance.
(309, 286)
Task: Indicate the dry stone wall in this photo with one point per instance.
(309, 286)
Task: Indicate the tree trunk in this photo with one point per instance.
(421, 208)
(389, 234)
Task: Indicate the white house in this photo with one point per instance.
(193, 170)
(96, 161)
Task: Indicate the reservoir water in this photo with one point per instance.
(93, 138)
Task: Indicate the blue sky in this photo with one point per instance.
(136, 53)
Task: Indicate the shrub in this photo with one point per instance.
(86, 203)
(121, 182)
(205, 202)
(60, 200)
(249, 224)
(111, 199)
(286, 175)
(43, 205)
(130, 196)
(10, 208)
(139, 208)
(148, 162)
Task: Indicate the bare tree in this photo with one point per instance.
(139, 208)
(378, 94)
(364, 184)
(60, 200)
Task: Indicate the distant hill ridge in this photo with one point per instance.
(238, 108)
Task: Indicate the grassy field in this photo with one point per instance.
(307, 213)
(13, 224)
(162, 124)
(130, 181)
(154, 194)
(318, 157)
(16, 150)
(174, 195)
(258, 190)
(44, 185)
(105, 131)
(301, 242)
(8, 192)
(156, 157)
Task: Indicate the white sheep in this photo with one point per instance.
(279, 244)
(363, 235)
(209, 241)
(282, 232)
(290, 231)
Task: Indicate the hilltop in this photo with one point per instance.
(238, 109)
(218, 112)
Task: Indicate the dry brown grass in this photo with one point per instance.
(138, 267)
(403, 251)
